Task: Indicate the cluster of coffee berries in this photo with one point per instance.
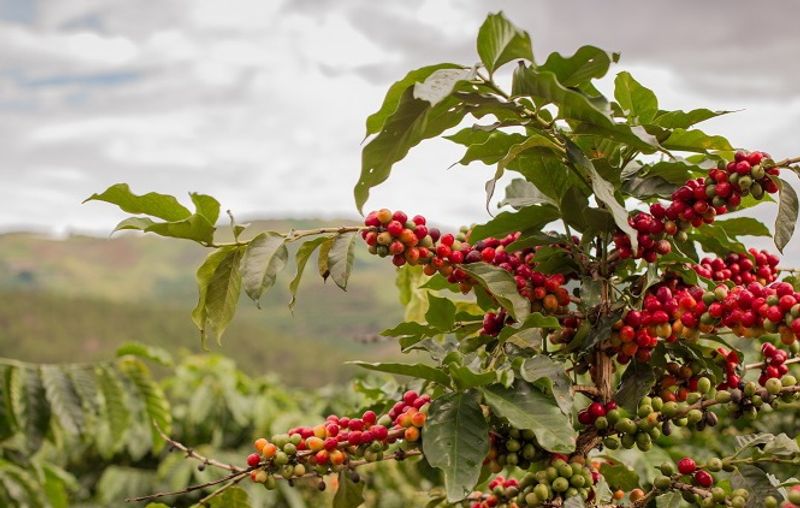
(730, 363)
(331, 445)
(792, 499)
(512, 447)
(698, 202)
(678, 381)
(626, 432)
(759, 266)
(755, 309)
(502, 491)
(688, 473)
(774, 363)
(670, 311)
(414, 243)
(407, 241)
(596, 411)
(749, 398)
(561, 480)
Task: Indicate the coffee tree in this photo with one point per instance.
(604, 340)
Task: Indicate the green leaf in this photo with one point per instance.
(528, 408)
(417, 370)
(162, 206)
(457, 441)
(115, 416)
(152, 353)
(742, 226)
(586, 64)
(493, 148)
(265, 257)
(603, 190)
(441, 313)
(65, 403)
(786, 219)
(195, 227)
(638, 102)
(466, 378)
(544, 88)
(543, 372)
(501, 285)
(413, 121)
(54, 487)
(521, 193)
(232, 497)
(377, 120)
(219, 283)
(8, 423)
(500, 42)
(155, 402)
(206, 206)
(620, 476)
(637, 380)
(341, 257)
(685, 119)
(648, 187)
(301, 258)
(31, 409)
(530, 217)
(695, 140)
(349, 494)
(411, 293)
(440, 84)
(756, 482)
(669, 500)
(533, 141)
(322, 258)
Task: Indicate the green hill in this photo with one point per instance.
(78, 298)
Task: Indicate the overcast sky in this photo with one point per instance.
(262, 103)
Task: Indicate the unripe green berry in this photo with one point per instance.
(560, 485)
(770, 502)
(542, 491)
(788, 380)
(723, 397)
(611, 442)
(794, 496)
(773, 386)
(662, 482)
(703, 385)
(714, 465)
(601, 423)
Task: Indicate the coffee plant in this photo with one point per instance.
(606, 339)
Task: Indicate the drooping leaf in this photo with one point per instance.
(493, 148)
(586, 64)
(457, 441)
(639, 103)
(376, 121)
(195, 227)
(530, 217)
(413, 121)
(603, 190)
(349, 494)
(417, 370)
(301, 258)
(29, 401)
(787, 215)
(341, 257)
(500, 42)
(156, 404)
(412, 293)
(440, 84)
(264, 258)
(162, 206)
(532, 141)
(219, 283)
(65, 403)
(528, 408)
(500, 284)
(114, 413)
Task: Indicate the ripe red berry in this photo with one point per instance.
(400, 217)
(703, 479)
(253, 459)
(687, 465)
(395, 228)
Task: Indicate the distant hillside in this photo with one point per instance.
(78, 298)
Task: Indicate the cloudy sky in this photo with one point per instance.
(262, 102)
